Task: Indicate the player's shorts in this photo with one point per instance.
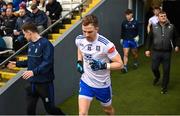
(129, 43)
(104, 95)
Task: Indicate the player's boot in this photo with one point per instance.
(124, 69)
(135, 64)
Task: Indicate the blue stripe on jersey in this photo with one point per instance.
(103, 40)
(80, 37)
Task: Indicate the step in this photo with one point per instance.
(67, 26)
(87, 10)
(73, 21)
(21, 57)
(2, 84)
(7, 75)
(94, 3)
(17, 69)
(62, 30)
(52, 40)
(54, 35)
(77, 17)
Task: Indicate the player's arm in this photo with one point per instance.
(79, 64)
(113, 55)
(116, 63)
(148, 27)
(79, 54)
(13, 64)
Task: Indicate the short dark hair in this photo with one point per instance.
(162, 12)
(90, 19)
(129, 11)
(10, 3)
(29, 26)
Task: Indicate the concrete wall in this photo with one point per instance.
(110, 14)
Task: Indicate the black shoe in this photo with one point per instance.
(135, 65)
(124, 69)
(163, 91)
(155, 81)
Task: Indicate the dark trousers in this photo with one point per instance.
(45, 91)
(164, 58)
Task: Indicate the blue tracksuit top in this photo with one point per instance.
(40, 61)
(129, 29)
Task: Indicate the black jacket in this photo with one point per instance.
(163, 38)
(40, 18)
(21, 20)
(54, 9)
(9, 25)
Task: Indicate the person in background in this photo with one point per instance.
(162, 38)
(53, 10)
(18, 36)
(154, 19)
(129, 39)
(8, 23)
(39, 18)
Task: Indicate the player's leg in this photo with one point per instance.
(46, 92)
(109, 110)
(85, 98)
(104, 95)
(84, 104)
(31, 98)
(135, 57)
(134, 51)
(126, 53)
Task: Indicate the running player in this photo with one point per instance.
(96, 57)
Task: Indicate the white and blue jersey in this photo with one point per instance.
(100, 49)
(96, 83)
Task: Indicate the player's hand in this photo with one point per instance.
(11, 64)
(136, 39)
(121, 41)
(79, 67)
(148, 53)
(176, 49)
(27, 74)
(98, 65)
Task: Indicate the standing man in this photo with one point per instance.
(94, 55)
(40, 72)
(163, 38)
(129, 39)
(154, 19)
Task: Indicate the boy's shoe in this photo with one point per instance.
(135, 65)
(124, 69)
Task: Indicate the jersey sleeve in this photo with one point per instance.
(77, 42)
(111, 50)
(78, 39)
(150, 20)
